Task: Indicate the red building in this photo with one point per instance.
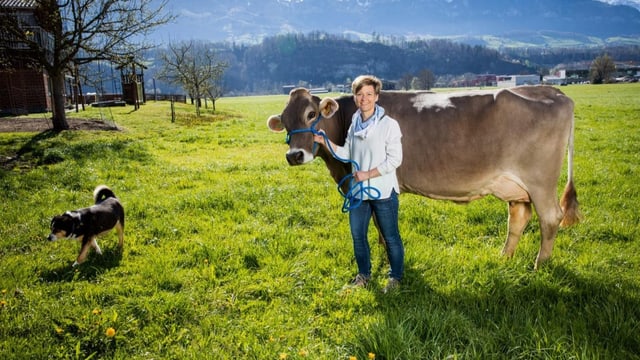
(24, 88)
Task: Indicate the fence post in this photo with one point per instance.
(173, 110)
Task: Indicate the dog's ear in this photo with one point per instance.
(73, 214)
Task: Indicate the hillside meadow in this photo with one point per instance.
(232, 254)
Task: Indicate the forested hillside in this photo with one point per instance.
(319, 59)
(322, 60)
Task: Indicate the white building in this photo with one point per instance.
(517, 80)
(558, 78)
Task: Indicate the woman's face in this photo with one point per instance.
(366, 99)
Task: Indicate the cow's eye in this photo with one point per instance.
(311, 115)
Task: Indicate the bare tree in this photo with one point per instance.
(602, 69)
(405, 82)
(195, 67)
(426, 79)
(215, 91)
(76, 32)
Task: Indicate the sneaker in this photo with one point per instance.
(392, 284)
(360, 281)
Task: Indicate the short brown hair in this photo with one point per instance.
(363, 80)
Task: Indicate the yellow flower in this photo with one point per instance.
(283, 356)
(3, 303)
(111, 332)
(4, 291)
(353, 358)
(96, 312)
(59, 331)
(371, 356)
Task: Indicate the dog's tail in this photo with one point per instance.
(101, 193)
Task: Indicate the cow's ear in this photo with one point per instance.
(275, 124)
(328, 107)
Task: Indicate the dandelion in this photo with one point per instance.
(283, 356)
(59, 330)
(96, 311)
(353, 358)
(111, 332)
(303, 352)
(3, 303)
(4, 291)
(371, 356)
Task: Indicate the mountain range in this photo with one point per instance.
(493, 23)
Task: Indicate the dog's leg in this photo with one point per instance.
(84, 250)
(94, 243)
(120, 230)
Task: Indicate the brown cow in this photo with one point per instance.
(462, 146)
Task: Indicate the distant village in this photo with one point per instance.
(573, 74)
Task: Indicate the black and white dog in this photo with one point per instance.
(88, 223)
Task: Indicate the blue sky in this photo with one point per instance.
(216, 20)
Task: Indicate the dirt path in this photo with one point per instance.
(21, 124)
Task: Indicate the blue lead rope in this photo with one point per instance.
(351, 199)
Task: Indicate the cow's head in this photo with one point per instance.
(301, 116)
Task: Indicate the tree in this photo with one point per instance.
(215, 91)
(426, 79)
(405, 82)
(194, 66)
(77, 32)
(602, 69)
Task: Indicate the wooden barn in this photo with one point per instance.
(24, 87)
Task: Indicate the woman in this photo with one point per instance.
(373, 142)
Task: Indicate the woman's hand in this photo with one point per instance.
(319, 138)
(363, 175)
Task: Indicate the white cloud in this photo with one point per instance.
(193, 15)
(634, 3)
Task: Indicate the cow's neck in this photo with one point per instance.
(336, 129)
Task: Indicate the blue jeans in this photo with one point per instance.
(386, 212)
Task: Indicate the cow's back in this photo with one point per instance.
(462, 146)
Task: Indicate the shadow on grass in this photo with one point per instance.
(556, 313)
(29, 146)
(39, 151)
(88, 270)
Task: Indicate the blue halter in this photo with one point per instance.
(311, 129)
(351, 201)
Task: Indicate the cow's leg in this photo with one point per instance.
(519, 216)
(550, 215)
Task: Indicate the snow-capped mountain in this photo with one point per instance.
(251, 20)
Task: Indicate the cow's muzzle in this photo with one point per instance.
(295, 157)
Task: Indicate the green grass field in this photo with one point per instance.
(232, 254)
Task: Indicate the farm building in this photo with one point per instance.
(517, 80)
(24, 88)
(25, 85)
(557, 78)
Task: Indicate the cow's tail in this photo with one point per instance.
(569, 199)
